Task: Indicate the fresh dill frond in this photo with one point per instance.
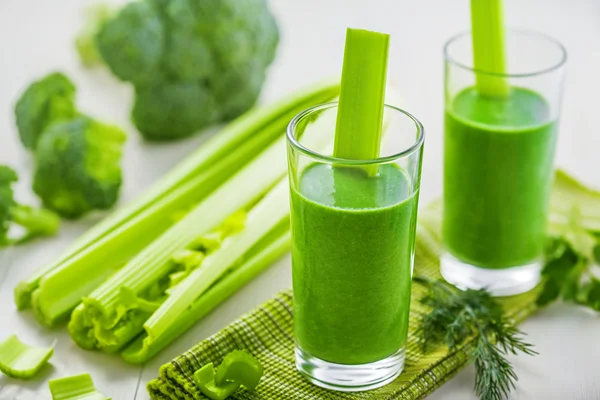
(455, 316)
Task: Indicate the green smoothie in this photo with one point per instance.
(353, 241)
(498, 168)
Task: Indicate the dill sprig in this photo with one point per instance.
(455, 316)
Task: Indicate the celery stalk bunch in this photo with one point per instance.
(141, 277)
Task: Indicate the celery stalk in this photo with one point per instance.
(78, 387)
(22, 361)
(234, 136)
(361, 104)
(55, 296)
(265, 216)
(152, 263)
(143, 349)
(489, 53)
(97, 324)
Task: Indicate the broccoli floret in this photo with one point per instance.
(77, 158)
(36, 222)
(132, 43)
(77, 166)
(193, 62)
(44, 102)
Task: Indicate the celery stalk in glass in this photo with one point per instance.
(489, 53)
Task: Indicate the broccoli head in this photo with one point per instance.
(36, 222)
(45, 101)
(78, 166)
(192, 62)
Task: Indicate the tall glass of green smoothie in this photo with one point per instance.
(353, 239)
(499, 144)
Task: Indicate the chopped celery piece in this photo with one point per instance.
(262, 218)
(22, 361)
(78, 387)
(361, 104)
(489, 53)
(204, 379)
(133, 226)
(143, 349)
(239, 366)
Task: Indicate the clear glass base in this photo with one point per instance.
(499, 282)
(349, 378)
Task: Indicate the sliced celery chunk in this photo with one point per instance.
(239, 366)
(204, 379)
(78, 387)
(360, 113)
(19, 360)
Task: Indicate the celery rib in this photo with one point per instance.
(489, 52)
(152, 263)
(361, 104)
(269, 212)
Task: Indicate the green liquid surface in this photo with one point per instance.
(498, 163)
(353, 239)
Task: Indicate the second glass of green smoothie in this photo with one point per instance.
(499, 144)
(353, 240)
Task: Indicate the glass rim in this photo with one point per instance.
(561, 62)
(293, 141)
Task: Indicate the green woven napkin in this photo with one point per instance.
(267, 333)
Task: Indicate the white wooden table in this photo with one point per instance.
(36, 37)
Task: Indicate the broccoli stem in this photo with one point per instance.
(36, 221)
